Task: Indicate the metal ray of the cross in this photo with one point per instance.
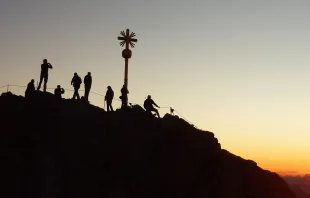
(126, 39)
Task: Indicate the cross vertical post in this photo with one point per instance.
(127, 40)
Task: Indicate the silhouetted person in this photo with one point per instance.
(59, 91)
(76, 82)
(44, 74)
(109, 98)
(124, 96)
(171, 111)
(148, 105)
(87, 84)
(30, 89)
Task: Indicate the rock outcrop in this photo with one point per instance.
(67, 148)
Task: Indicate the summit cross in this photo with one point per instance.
(127, 40)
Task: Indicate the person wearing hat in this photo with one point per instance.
(148, 105)
(109, 98)
(87, 85)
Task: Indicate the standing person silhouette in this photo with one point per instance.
(87, 85)
(124, 96)
(76, 82)
(109, 97)
(44, 74)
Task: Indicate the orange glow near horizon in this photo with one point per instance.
(239, 69)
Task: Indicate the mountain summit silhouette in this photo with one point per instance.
(66, 148)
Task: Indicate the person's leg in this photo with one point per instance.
(108, 106)
(41, 79)
(74, 94)
(45, 82)
(149, 111)
(156, 111)
(111, 105)
(123, 101)
(86, 93)
(77, 93)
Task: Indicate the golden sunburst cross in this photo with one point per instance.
(127, 39)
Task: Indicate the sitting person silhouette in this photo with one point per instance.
(59, 91)
(30, 88)
(148, 105)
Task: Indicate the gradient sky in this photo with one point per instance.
(240, 69)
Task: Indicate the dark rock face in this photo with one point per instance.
(65, 148)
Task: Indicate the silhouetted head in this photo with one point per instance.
(75, 74)
(89, 73)
(32, 81)
(149, 97)
(109, 87)
(45, 61)
(58, 86)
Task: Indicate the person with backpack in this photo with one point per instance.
(44, 74)
(76, 82)
(148, 105)
(108, 98)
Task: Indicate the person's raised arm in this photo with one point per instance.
(155, 104)
(50, 66)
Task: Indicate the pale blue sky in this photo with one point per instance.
(237, 68)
